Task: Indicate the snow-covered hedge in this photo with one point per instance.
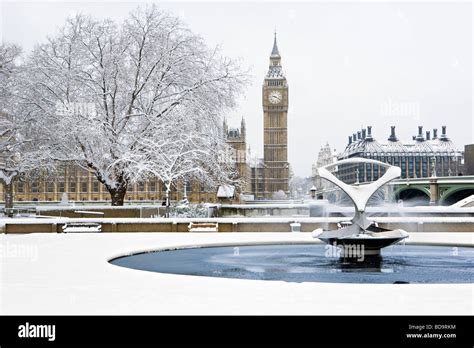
(189, 211)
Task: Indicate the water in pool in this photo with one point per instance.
(312, 263)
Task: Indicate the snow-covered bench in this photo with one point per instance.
(74, 227)
(203, 227)
(85, 212)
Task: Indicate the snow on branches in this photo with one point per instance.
(133, 99)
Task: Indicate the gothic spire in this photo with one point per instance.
(275, 52)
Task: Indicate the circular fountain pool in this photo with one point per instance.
(311, 263)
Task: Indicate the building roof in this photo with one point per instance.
(360, 143)
(275, 70)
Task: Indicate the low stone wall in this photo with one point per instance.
(37, 227)
(268, 210)
(320, 208)
(162, 225)
(105, 212)
(430, 227)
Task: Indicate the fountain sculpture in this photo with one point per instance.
(361, 234)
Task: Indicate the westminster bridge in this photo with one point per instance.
(445, 190)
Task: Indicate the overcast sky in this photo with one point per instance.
(348, 64)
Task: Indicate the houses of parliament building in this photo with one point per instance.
(262, 178)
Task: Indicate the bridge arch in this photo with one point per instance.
(413, 195)
(455, 194)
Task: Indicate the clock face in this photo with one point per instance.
(274, 97)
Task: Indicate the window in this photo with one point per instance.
(84, 187)
(61, 186)
(152, 186)
(50, 187)
(424, 170)
(95, 186)
(20, 187)
(35, 186)
(141, 186)
(369, 176)
(72, 186)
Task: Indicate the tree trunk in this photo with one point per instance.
(118, 195)
(167, 203)
(8, 198)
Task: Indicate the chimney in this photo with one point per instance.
(428, 135)
(359, 135)
(419, 137)
(354, 137)
(435, 133)
(443, 133)
(350, 140)
(369, 134)
(393, 136)
(364, 133)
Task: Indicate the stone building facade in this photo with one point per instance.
(78, 184)
(236, 138)
(326, 156)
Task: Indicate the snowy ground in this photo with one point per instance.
(69, 274)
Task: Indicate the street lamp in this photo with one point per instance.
(313, 192)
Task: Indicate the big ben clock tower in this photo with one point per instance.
(275, 125)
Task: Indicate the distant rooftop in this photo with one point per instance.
(364, 141)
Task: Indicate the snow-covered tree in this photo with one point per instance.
(279, 195)
(9, 54)
(20, 142)
(185, 148)
(115, 96)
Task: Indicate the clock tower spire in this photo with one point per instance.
(275, 125)
(275, 52)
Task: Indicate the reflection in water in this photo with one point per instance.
(370, 263)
